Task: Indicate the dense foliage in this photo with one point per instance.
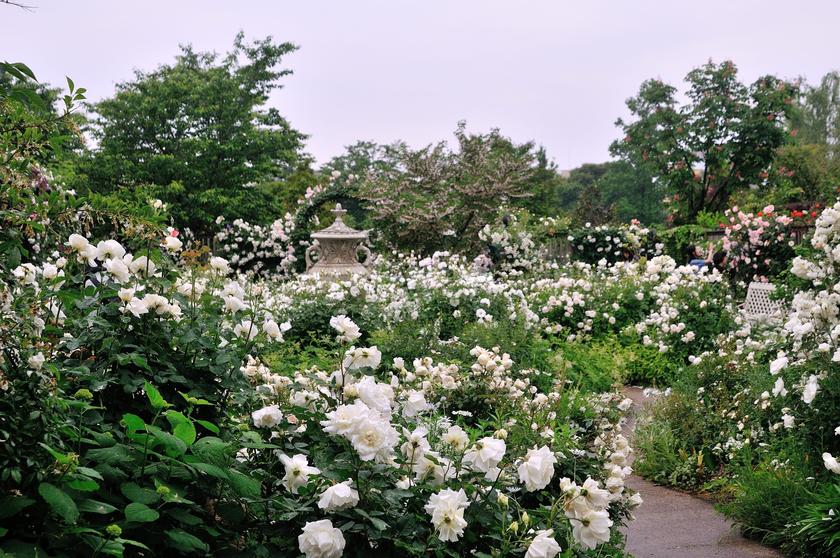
(198, 131)
(722, 140)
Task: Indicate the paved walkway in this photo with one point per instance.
(674, 524)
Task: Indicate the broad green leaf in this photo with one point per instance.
(182, 427)
(93, 473)
(111, 456)
(60, 457)
(209, 426)
(172, 446)
(60, 502)
(83, 484)
(244, 485)
(185, 517)
(155, 398)
(133, 422)
(140, 513)
(183, 541)
(212, 450)
(185, 432)
(136, 493)
(94, 506)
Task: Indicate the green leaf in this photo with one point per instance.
(212, 450)
(136, 493)
(185, 432)
(244, 485)
(183, 516)
(183, 541)
(60, 502)
(94, 506)
(10, 505)
(183, 428)
(194, 400)
(24, 69)
(83, 484)
(172, 446)
(155, 398)
(133, 423)
(70, 84)
(212, 470)
(92, 473)
(111, 456)
(60, 457)
(140, 513)
(209, 426)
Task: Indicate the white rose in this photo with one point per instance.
(831, 463)
(415, 404)
(297, 472)
(339, 496)
(456, 437)
(485, 454)
(347, 329)
(537, 469)
(320, 539)
(267, 417)
(369, 357)
(36, 361)
(447, 511)
(172, 243)
(543, 545)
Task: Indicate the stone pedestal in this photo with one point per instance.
(335, 250)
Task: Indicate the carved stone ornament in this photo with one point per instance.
(335, 250)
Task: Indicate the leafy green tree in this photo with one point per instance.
(198, 129)
(817, 118)
(544, 186)
(723, 139)
(632, 193)
(437, 197)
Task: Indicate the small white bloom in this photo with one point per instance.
(297, 472)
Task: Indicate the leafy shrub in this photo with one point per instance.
(814, 532)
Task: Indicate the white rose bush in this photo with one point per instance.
(762, 403)
(158, 399)
(169, 427)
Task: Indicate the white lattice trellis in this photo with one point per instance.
(758, 303)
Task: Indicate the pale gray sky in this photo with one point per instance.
(556, 72)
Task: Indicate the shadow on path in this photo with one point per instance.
(674, 524)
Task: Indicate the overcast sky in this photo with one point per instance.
(556, 72)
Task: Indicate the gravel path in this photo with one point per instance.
(674, 524)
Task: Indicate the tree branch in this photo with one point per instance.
(19, 5)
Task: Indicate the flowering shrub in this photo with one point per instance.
(511, 249)
(763, 403)
(612, 244)
(394, 465)
(164, 430)
(255, 249)
(758, 246)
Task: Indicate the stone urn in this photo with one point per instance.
(335, 250)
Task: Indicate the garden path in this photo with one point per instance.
(671, 523)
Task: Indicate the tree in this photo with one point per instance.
(198, 130)
(722, 140)
(435, 197)
(817, 118)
